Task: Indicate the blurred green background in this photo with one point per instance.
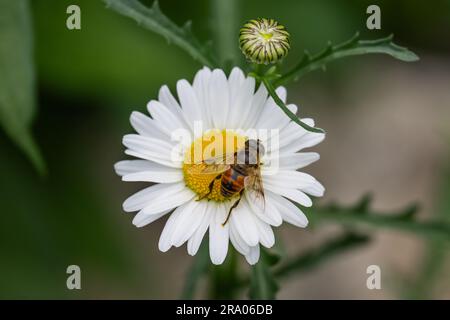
(382, 116)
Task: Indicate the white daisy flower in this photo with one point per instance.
(193, 200)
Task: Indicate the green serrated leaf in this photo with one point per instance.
(154, 20)
(409, 212)
(352, 47)
(17, 105)
(285, 109)
(262, 282)
(363, 205)
(402, 220)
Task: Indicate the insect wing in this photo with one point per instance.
(215, 165)
(253, 184)
(215, 168)
(224, 159)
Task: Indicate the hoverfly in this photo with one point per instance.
(238, 171)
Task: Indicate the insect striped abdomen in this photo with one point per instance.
(232, 182)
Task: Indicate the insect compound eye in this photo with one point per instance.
(242, 157)
(252, 144)
(246, 157)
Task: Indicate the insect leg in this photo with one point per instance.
(210, 187)
(233, 206)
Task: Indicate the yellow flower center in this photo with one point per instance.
(213, 144)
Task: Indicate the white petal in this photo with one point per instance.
(188, 221)
(166, 235)
(141, 219)
(240, 103)
(253, 256)
(153, 149)
(201, 88)
(266, 236)
(289, 137)
(282, 93)
(235, 81)
(290, 212)
(146, 126)
(257, 107)
(268, 214)
(293, 194)
(196, 239)
(142, 198)
(165, 120)
(141, 143)
(170, 200)
(289, 179)
(275, 118)
(218, 236)
(272, 117)
(167, 175)
(239, 244)
(132, 166)
(154, 157)
(297, 160)
(219, 98)
(167, 99)
(307, 140)
(189, 103)
(316, 189)
(290, 133)
(243, 220)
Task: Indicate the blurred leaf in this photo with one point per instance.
(47, 225)
(314, 257)
(262, 282)
(17, 94)
(432, 265)
(403, 220)
(363, 205)
(197, 270)
(154, 20)
(285, 109)
(352, 47)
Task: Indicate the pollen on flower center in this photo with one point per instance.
(214, 144)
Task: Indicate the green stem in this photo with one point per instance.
(225, 24)
(352, 47)
(263, 285)
(285, 109)
(224, 278)
(197, 270)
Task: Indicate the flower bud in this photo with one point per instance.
(264, 41)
